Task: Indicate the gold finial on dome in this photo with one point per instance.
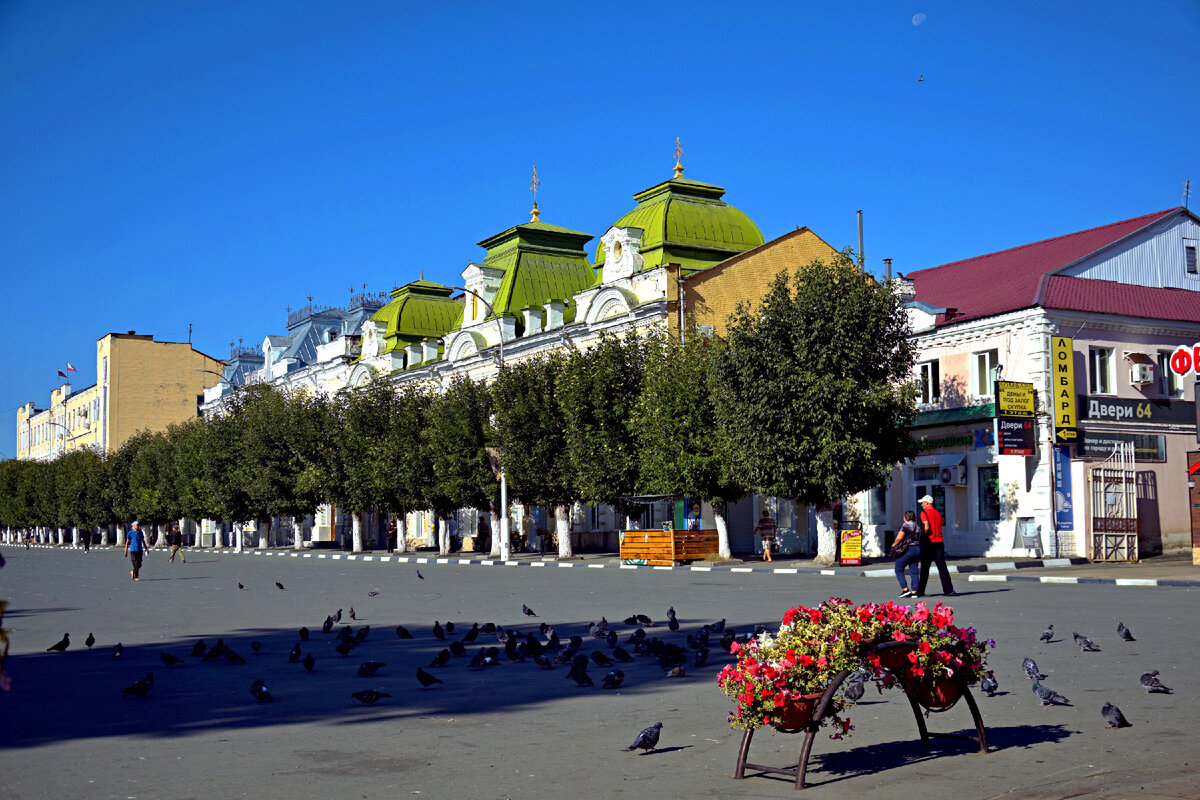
(678, 156)
(533, 187)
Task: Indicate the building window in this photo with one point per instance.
(1189, 257)
(1100, 361)
(1169, 384)
(930, 382)
(984, 365)
(989, 492)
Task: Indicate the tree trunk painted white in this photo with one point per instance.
(826, 538)
(443, 529)
(118, 536)
(401, 533)
(75, 537)
(722, 536)
(61, 536)
(562, 529)
(356, 532)
(160, 537)
(263, 532)
(238, 536)
(298, 533)
(494, 522)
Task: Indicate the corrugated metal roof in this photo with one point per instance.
(1110, 297)
(1010, 279)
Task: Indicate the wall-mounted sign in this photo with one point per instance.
(1064, 503)
(1185, 359)
(1062, 386)
(1014, 399)
(1153, 411)
(1146, 447)
(978, 437)
(1014, 437)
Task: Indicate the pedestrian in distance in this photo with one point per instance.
(483, 535)
(392, 535)
(135, 547)
(175, 540)
(933, 548)
(85, 538)
(766, 532)
(906, 549)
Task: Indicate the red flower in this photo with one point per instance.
(924, 647)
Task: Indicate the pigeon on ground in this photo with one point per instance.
(328, 625)
(256, 645)
(613, 679)
(428, 679)
(373, 593)
(543, 662)
(622, 655)
(279, 586)
(294, 653)
(170, 660)
(580, 674)
(457, 649)
(402, 632)
(351, 614)
(369, 697)
(336, 616)
(438, 633)
(1085, 644)
(419, 575)
(344, 648)
(601, 659)
(673, 624)
(470, 636)
(233, 658)
(118, 650)
(1031, 669)
(304, 634)
(677, 672)
(309, 662)
(258, 690)
(346, 634)
(240, 587)
(670, 612)
(1048, 697)
(1150, 682)
(527, 611)
(198, 649)
(449, 627)
(139, 688)
(441, 659)
(989, 683)
(642, 619)
(854, 690)
(1048, 634)
(1113, 717)
(369, 668)
(647, 740)
(477, 660)
(362, 634)
(1124, 633)
(89, 641)
(61, 645)
(700, 658)
(215, 652)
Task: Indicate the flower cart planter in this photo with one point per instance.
(666, 548)
(889, 653)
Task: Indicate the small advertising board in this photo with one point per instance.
(1014, 437)
(851, 543)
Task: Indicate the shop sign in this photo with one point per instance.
(1062, 384)
(1148, 447)
(980, 437)
(1064, 504)
(1185, 359)
(1119, 410)
(1014, 399)
(1014, 437)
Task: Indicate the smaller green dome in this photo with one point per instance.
(686, 222)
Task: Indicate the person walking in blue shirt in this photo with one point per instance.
(135, 546)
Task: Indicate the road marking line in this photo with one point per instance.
(741, 569)
(785, 571)
(701, 569)
(1058, 579)
(596, 566)
(1137, 582)
(994, 578)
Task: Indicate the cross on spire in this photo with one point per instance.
(678, 156)
(533, 187)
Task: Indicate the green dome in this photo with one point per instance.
(418, 310)
(686, 222)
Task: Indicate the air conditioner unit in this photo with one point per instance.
(953, 476)
(1141, 373)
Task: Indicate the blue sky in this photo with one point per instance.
(215, 162)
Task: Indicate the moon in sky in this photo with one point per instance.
(918, 19)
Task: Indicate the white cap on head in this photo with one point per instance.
(926, 499)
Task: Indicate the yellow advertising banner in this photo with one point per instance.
(1014, 399)
(1062, 386)
(851, 542)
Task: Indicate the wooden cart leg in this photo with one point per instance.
(979, 729)
(802, 766)
(740, 772)
(916, 709)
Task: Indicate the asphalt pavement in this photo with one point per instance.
(514, 731)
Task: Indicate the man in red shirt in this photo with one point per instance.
(933, 549)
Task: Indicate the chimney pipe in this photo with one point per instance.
(887, 270)
(861, 260)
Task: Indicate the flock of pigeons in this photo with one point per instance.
(540, 645)
(1113, 718)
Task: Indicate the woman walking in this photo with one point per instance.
(907, 552)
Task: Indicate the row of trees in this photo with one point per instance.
(808, 397)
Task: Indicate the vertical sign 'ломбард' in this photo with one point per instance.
(1062, 384)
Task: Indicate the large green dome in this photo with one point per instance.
(686, 222)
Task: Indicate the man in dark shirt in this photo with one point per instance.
(175, 540)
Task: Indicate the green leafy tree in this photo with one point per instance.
(532, 434)
(680, 444)
(599, 391)
(77, 486)
(457, 434)
(816, 393)
(153, 481)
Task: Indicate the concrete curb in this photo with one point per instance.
(970, 570)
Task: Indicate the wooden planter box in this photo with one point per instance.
(666, 548)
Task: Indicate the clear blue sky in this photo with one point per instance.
(216, 161)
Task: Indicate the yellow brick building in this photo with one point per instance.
(141, 385)
(711, 295)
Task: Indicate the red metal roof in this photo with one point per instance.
(1110, 297)
(1011, 279)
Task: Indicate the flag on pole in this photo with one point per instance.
(62, 374)
(69, 367)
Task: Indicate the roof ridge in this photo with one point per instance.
(1149, 218)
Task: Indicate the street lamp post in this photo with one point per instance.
(505, 538)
